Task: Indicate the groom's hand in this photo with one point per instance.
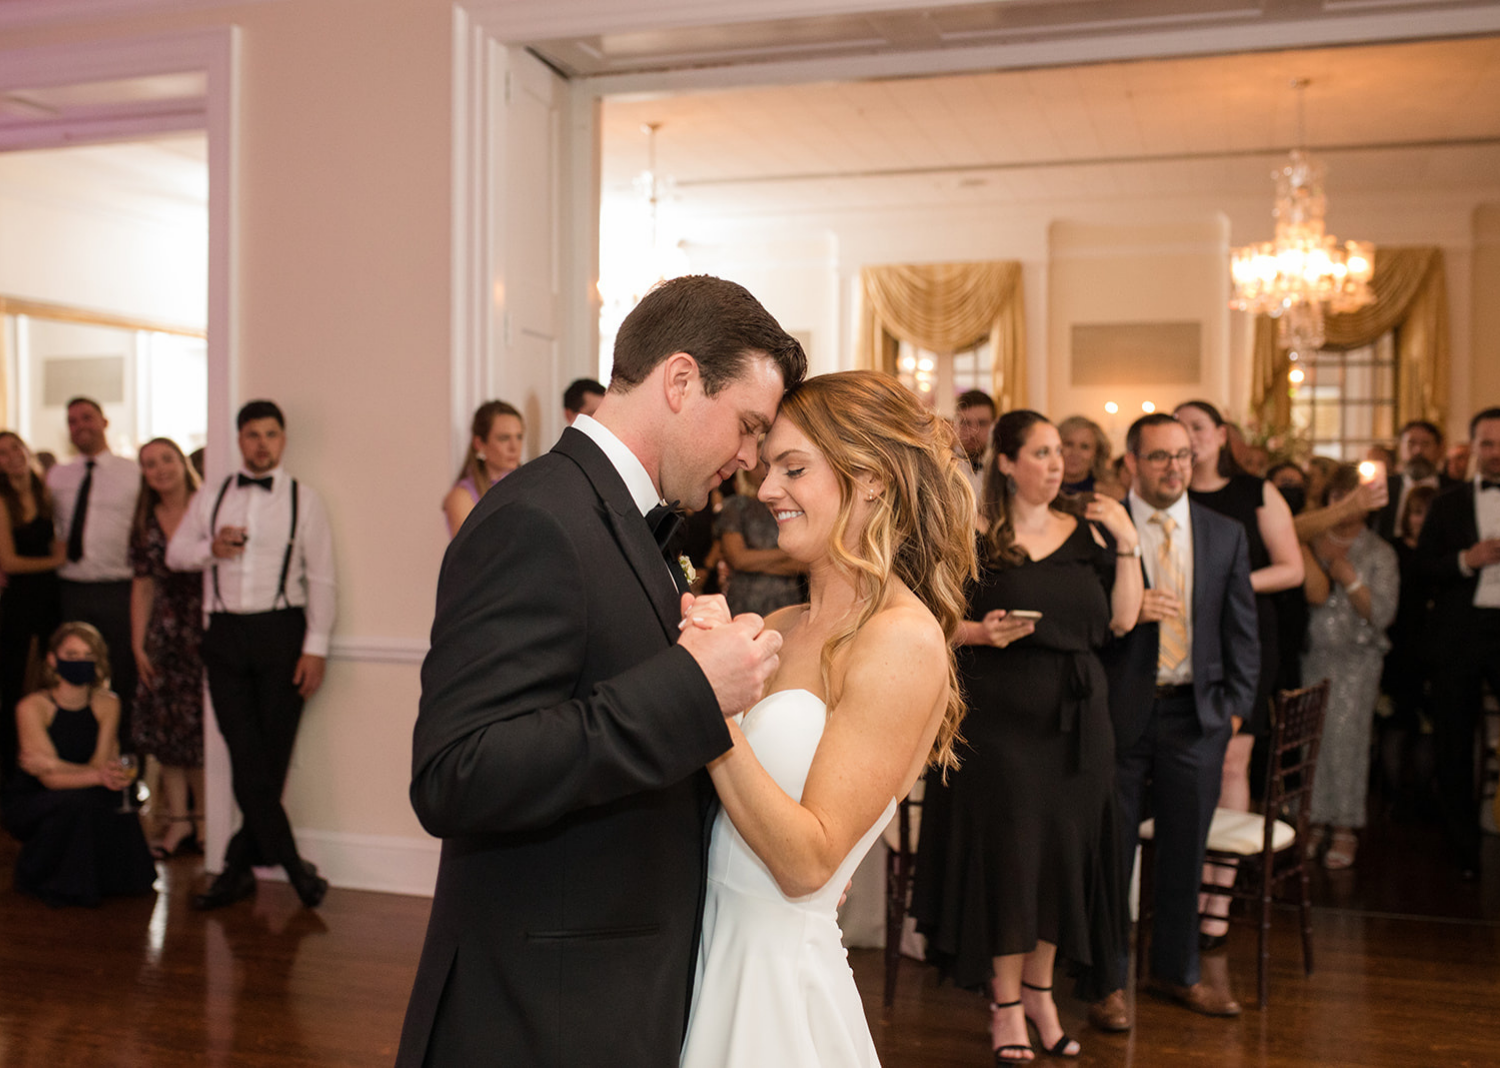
(736, 657)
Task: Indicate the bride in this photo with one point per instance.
(867, 491)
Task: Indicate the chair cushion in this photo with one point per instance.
(1238, 832)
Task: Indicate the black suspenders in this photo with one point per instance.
(286, 558)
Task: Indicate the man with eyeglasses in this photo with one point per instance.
(1175, 681)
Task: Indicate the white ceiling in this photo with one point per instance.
(1383, 116)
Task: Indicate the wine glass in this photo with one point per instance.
(131, 768)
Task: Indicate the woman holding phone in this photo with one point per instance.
(1012, 849)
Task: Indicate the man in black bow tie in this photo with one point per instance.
(1459, 553)
(566, 717)
(263, 545)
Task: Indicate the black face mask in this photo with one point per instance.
(77, 672)
(1296, 498)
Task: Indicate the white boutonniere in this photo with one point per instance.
(687, 570)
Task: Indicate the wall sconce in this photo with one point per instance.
(1147, 407)
(1111, 407)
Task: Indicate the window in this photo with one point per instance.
(1346, 401)
(938, 379)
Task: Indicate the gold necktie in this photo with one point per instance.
(1172, 645)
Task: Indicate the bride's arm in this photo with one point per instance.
(897, 675)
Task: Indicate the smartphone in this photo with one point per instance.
(1371, 471)
(1023, 613)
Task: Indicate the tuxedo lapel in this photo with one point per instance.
(634, 537)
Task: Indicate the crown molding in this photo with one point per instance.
(20, 14)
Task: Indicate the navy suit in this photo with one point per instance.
(1173, 745)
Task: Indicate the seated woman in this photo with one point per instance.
(77, 847)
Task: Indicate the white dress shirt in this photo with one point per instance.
(637, 480)
(106, 527)
(1487, 518)
(247, 583)
(1182, 548)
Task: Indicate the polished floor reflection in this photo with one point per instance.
(1408, 973)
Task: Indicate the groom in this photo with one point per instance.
(565, 717)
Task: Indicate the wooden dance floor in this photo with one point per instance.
(1408, 973)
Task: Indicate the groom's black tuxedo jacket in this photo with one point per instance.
(558, 754)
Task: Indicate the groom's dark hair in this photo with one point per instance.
(716, 322)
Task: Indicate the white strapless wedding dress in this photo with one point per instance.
(773, 986)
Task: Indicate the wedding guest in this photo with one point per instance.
(582, 397)
(94, 498)
(973, 416)
(1459, 553)
(30, 554)
(763, 578)
(1421, 462)
(1086, 458)
(1177, 682)
(1319, 469)
(1352, 585)
(1291, 482)
(1456, 466)
(166, 616)
(263, 544)
(1012, 850)
(78, 845)
(1275, 565)
(497, 436)
(1406, 753)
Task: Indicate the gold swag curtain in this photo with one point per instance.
(946, 308)
(1411, 297)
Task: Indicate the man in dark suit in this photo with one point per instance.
(564, 723)
(1459, 554)
(1177, 683)
(1419, 451)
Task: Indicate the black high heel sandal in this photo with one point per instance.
(1060, 1047)
(995, 1006)
(187, 845)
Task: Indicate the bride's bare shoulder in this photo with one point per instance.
(904, 623)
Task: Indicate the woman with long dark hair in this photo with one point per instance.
(496, 438)
(1014, 863)
(1275, 565)
(30, 553)
(166, 635)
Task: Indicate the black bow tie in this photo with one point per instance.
(1488, 484)
(663, 521)
(245, 480)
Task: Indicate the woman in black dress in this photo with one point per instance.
(1275, 566)
(166, 631)
(30, 554)
(1012, 864)
(77, 846)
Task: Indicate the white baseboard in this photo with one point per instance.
(386, 863)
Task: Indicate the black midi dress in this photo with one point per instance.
(1017, 846)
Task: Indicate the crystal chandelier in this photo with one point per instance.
(1305, 272)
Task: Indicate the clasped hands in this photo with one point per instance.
(1482, 553)
(737, 654)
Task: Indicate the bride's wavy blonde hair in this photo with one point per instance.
(921, 530)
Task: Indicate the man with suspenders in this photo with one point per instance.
(263, 544)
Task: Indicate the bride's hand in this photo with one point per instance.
(705, 612)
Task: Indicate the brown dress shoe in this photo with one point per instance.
(1111, 1013)
(1200, 997)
